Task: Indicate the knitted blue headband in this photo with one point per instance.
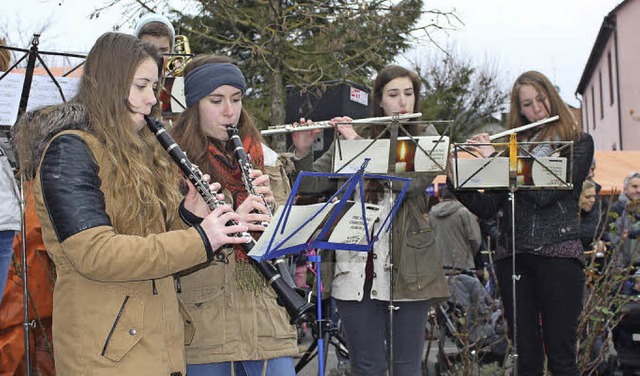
(203, 80)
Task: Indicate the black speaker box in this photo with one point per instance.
(324, 102)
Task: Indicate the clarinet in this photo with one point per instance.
(297, 307)
(246, 169)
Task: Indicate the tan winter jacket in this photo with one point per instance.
(115, 307)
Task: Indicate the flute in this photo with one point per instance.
(297, 307)
(288, 128)
(523, 128)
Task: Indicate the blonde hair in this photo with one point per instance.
(5, 56)
(566, 128)
(142, 172)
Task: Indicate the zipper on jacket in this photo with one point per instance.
(154, 289)
(113, 328)
(178, 283)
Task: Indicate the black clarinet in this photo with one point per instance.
(297, 307)
(246, 168)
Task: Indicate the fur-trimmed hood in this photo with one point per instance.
(37, 127)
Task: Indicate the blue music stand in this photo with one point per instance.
(353, 181)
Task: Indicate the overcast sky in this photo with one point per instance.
(552, 36)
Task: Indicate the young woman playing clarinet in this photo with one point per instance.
(107, 196)
(240, 328)
(360, 282)
(549, 255)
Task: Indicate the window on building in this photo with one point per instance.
(593, 107)
(610, 78)
(585, 111)
(601, 99)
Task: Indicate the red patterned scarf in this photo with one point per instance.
(229, 175)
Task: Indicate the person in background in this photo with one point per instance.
(549, 257)
(360, 281)
(107, 197)
(630, 192)
(10, 214)
(626, 229)
(157, 30)
(457, 232)
(593, 219)
(240, 327)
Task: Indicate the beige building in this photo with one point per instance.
(610, 84)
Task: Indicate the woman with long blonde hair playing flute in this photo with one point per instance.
(548, 256)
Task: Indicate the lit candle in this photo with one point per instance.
(401, 166)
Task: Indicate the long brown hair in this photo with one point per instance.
(190, 135)
(566, 128)
(142, 172)
(385, 75)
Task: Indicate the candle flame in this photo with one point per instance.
(403, 151)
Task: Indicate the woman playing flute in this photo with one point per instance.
(549, 255)
(360, 282)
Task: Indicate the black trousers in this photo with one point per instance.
(549, 301)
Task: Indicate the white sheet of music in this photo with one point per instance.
(493, 175)
(43, 92)
(10, 89)
(348, 230)
(413, 159)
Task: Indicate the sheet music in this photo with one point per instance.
(348, 230)
(409, 157)
(493, 175)
(10, 89)
(543, 178)
(43, 92)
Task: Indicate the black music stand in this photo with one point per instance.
(520, 171)
(291, 235)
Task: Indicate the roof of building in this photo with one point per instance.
(606, 29)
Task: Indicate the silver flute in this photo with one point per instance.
(289, 128)
(523, 128)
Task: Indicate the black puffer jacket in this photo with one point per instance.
(542, 217)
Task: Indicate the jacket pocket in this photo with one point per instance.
(415, 258)
(272, 318)
(127, 329)
(206, 307)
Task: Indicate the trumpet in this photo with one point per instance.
(289, 128)
(177, 62)
(523, 128)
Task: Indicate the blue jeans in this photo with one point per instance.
(6, 251)
(274, 367)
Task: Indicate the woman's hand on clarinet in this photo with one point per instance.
(194, 202)
(218, 233)
(484, 150)
(344, 125)
(262, 186)
(253, 213)
(303, 140)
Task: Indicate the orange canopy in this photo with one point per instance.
(612, 167)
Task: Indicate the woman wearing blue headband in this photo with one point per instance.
(240, 328)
